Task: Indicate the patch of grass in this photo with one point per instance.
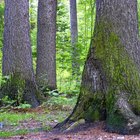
(4, 134)
(16, 123)
(14, 118)
(13, 122)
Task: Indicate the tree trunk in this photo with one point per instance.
(17, 55)
(111, 81)
(46, 44)
(74, 37)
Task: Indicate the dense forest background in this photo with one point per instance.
(69, 79)
(66, 82)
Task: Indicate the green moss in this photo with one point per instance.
(92, 114)
(121, 71)
(116, 122)
(92, 105)
(13, 86)
(89, 114)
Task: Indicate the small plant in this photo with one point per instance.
(7, 101)
(24, 106)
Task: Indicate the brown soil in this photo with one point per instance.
(91, 131)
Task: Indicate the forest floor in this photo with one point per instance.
(40, 127)
(92, 132)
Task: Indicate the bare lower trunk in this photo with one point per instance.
(74, 37)
(46, 44)
(110, 84)
(17, 55)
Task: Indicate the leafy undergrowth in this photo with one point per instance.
(22, 120)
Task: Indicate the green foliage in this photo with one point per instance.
(1, 33)
(6, 101)
(47, 92)
(65, 80)
(33, 29)
(33, 13)
(86, 19)
(23, 106)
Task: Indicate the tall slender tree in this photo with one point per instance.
(46, 44)
(74, 37)
(17, 54)
(110, 88)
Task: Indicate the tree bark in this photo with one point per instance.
(17, 54)
(110, 84)
(74, 37)
(46, 44)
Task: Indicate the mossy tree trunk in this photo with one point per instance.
(17, 54)
(110, 88)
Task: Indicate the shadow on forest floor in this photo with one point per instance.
(37, 124)
(93, 132)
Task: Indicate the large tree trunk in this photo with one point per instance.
(74, 37)
(110, 88)
(17, 55)
(46, 44)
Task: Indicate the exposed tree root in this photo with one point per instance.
(130, 125)
(127, 113)
(131, 122)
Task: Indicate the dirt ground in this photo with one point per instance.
(94, 131)
(90, 131)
